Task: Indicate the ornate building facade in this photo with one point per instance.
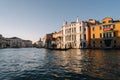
(74, 34)
(106, 34)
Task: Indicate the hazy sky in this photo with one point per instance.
(32, 19)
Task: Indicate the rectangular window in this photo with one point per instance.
(70, 30)
(114, 34)
(110, 35)
(103, 21)
(85, 36)
(104, 35)
(100, 35)
(93, 35)
(74, 30)
(74, 37)
(84, 29)
(80, 28)
(110, 21)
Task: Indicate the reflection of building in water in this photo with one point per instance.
(92, 62)
(95, 63)
(70, 60)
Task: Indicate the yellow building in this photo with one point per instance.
(105, 34)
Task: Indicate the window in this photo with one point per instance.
(100, 35)
(93, 35)
(80, 28)
(74, 30)
(110, 21)
(74, 37)
(107, 35)
(69, 31)
(84, 29)
(110, 35)
(103, 21)
(104, 35)
(85, 36)
(114, 34)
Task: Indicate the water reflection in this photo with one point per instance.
(74, 64)
(102, 64)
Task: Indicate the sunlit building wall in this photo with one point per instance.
(74, 34)
(57, 39)
(106, 34)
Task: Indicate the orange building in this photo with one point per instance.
(105, 34)
(57, 39)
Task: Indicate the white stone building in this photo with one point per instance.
(26, 43)
(14, 42)
(74, 34)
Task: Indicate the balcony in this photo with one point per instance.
(108, 29)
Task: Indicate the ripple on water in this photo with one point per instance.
(43, 64)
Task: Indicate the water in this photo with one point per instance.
(74, 64)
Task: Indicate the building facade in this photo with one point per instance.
(2, 42)
(47, 40)
(105, 34)
(16, 42)
(74, 34)
(39, 43)
(57, 40)
(86, 34)
(27, 43)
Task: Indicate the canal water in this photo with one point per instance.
(74, 64)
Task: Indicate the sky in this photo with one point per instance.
(32, 19)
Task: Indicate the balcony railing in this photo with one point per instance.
(108, 29)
